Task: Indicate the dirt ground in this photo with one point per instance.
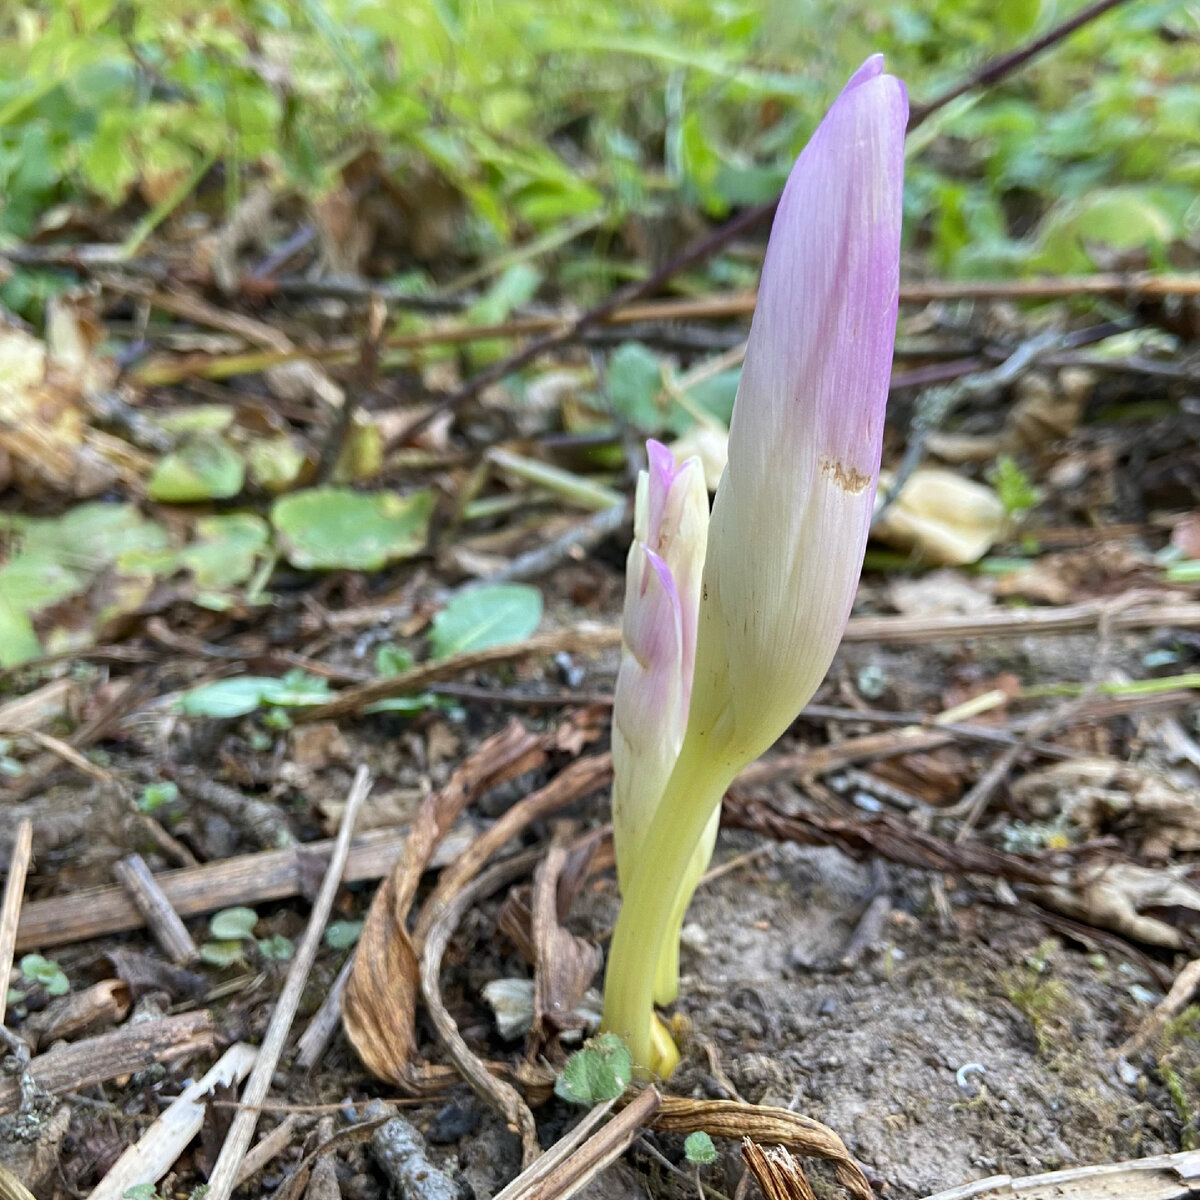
(970, 1038)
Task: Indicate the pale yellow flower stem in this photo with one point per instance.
(646, 919)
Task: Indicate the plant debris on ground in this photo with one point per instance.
(330, 336)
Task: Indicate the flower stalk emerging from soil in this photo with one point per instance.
(785, 541)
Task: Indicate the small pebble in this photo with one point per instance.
(1127, 1072)
(569, 673)
(452, 1123)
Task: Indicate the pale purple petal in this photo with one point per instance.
(792, 513)
(663, 471)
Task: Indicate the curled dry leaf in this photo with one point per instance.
(379, 1008)
(1103, 796)
(565, 964)
(943, 517)
(778, 1175)
(764, 1123)
(1116, 896)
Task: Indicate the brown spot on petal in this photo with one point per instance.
(847, 478)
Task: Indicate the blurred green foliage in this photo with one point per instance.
(540, 114)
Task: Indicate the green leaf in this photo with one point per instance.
(334, 528)
(222, 954)
(155, 795)
(141, 1191)
(1018, 17)
(227, 698)
(341, 935)
(406, 706)
(1120, 218)
(18, 640)
(391, 659)
(232, 923)
(274, 463)
(698, 1148)
(486, 616)
(634, 381)
(203, 468)
(226, 549)
(46, 972)
(277, 947)
(244, 694)
(596, 1074)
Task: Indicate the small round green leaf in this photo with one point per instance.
(222, 954)
(277, 947)
(486, 616)
(231, 923)
(699, 1149)
(341, 935)
(333, 528)
(203, 468)
(596, 1074)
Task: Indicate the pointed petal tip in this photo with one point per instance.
(889, 88)
(869, 70)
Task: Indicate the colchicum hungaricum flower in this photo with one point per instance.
(785, 541)
(658, 654)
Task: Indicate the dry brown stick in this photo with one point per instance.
(1186, 984)
(1162, 1177)
(577, 1158)
(998, 68)
(500, 1095)
(1069, 618)
(583, 776)
(972, 805)
(270, 1147)
(164, 922)
(720, 307)
(10, 914)
(247, 879)
(224, 1176)
(70, 1066)
(324, 1023)
(155, 1152)
(246, 813)
(584, 640)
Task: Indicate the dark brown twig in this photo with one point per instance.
(999, 68)
(164, 922)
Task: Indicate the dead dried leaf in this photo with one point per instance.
(942, 516)
(778, 1175)
(764, 1123)
(1116, 896)
(1047, 410)
(938, 592)
(564, 964)
(379, 1008)
(1103, 796)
